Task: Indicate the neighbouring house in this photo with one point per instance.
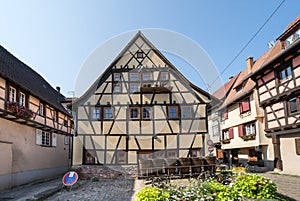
(242, 122)
(36, 130)
(141, 107)
(278, 85)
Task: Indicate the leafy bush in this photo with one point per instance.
(255, 186)
(152, 194)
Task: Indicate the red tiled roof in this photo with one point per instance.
(223, 91)
(290, 28)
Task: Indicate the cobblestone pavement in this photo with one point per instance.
(288, 185)
(105, 189)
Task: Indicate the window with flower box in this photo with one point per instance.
(12, 94)
(22, 99)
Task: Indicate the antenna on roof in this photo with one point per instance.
(271, 43)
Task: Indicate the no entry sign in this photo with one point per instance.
(70, 178)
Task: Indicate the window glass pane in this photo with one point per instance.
(134, 76)
(22, 99)
(163, 76)
(289, 72)
(116, 77)
(293, 105)
(146, 113)
(134, 113)
(41, 109)
(134, 87)
(282, 75)
(172, 112)
(96, 113)
(146, 76)
(117, 88)
(289, 40)
(298, 34)
(108, 113)
(12, 94)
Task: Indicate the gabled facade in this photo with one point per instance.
(242, 127)
(278, 86)
(141, 107)
(35, 134)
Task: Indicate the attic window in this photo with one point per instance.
(239, 88)
(140, 55)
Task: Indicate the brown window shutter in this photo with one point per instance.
(231, 135)
(241, 130)
(297, 143)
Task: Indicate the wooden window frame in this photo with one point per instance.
(297, 144)
(42, 109)
(229, 134)
(117, 75)
(169, 112)
(241, 105)
(137, 110)
(12, 96)
(22, 99)
(139, 54)
(161, 77)
(134, 84)
(131, 76)
(147, 73)
(94, 113)
(115, 86)
(105, 113)
(124, 153)
(288, 102)
(54, 115)
(150, 112)
(160, 152)
(286, 74)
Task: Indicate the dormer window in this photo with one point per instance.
(239, 88)
(292, 38)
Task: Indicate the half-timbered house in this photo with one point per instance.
(242, 127)
(35, 129)
(141, 107)
(278, 84)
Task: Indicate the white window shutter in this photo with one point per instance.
(38, 137)
(54, 139)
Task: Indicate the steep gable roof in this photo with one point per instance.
(161, 56)
(223, 91)
(14, 70)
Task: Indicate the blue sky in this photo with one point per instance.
(55, 37)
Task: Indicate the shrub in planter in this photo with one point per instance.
(152, 194)
(255, 186)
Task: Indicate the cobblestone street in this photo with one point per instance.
(106, 189)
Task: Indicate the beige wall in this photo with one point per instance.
(289, 157)
(26, 154)
(5, 157)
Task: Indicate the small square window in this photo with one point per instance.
(134, 77)
(134, 113)
(134, 87)
(117, 88)
(293, 106)
(96, 113)
(146, 112)
(108, 113)
(147, 76)
(116, 76)
(164, 76)
(140, 55)
(173, 112)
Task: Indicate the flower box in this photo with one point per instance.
(226, 141)
(248, 137)
(19, 110)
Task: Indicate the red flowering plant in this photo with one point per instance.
(19, 110)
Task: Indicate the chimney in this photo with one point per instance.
(58, 89)
(249, 62)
